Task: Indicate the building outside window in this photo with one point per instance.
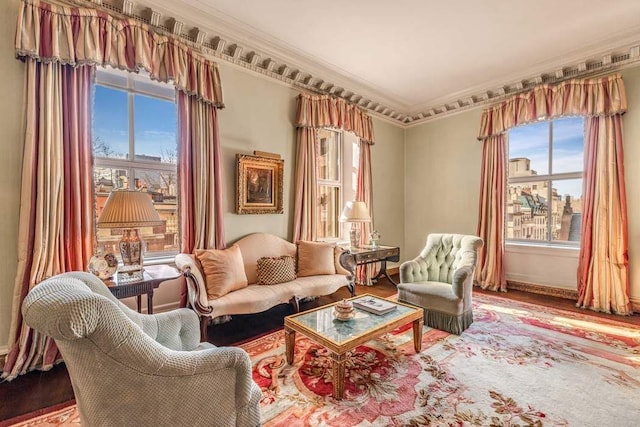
(544, 185)
(337, 159)
(134, 142)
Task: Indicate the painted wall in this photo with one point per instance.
(442, 179)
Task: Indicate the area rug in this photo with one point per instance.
(519, 364)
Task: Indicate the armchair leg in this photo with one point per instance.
(204, 328)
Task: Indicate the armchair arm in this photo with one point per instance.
(413, 271)
(462, 281)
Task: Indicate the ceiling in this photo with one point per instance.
(415, 58)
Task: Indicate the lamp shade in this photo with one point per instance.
(355, 211)
(128, 209)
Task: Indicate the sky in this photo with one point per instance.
(532, 141)
(155, 123)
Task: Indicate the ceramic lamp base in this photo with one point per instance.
(354, 235)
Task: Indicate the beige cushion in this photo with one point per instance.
(223, 270)
(315, 258)
(273, 270)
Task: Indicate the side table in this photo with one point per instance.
(153, 276)
(353, 257)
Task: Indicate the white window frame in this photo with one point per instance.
(136, 84)
(550, 178)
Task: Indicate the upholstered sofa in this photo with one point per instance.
(254, 297)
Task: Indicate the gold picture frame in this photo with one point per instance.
(259, 182)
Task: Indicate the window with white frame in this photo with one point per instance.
(544, 188)
(134, 143)
(337, 162)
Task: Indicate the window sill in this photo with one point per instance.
(542, 249)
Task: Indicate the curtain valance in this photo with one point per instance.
(327, 111)
(74, 35)
(602, 96)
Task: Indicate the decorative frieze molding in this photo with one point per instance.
(233, 51)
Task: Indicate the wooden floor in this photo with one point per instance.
(37, 390)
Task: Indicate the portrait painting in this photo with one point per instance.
(259, 185)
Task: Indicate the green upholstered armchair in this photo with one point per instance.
(128, 368)
(440, 280)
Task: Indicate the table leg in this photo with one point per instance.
(150, 302)
(290, 344)
(139, 301)
(338, 374)
(417, 334)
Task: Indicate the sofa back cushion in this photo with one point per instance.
(258, 245)
(223, 270)
(316, 258)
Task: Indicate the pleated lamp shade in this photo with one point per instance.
(128, 209)
(355, 211)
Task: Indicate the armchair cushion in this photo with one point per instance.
(316, 258)
(223, 270)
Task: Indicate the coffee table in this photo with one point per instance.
(340, 337)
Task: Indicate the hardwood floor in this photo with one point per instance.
(37, 390)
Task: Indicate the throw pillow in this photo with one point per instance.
(273, 270)
(223, 270)
(315, 258)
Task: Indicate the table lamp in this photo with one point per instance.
(129, 210)
(355, 212)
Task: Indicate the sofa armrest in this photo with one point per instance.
(196, 288)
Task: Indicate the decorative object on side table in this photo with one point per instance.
(343, 310)
(374, 238)
(355, 212)
(129, 210)
(103, 265)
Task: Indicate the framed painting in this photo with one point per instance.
(259, 185)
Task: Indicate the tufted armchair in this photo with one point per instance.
(440, 280)
(128, 368)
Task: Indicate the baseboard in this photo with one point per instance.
(543, 290)
(557, 292)
(164, 307)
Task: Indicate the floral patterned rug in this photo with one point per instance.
(518, 365)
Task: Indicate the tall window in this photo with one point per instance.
(135, 147)
(544, 191)
(337, 171)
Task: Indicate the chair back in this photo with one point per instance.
(443, 254)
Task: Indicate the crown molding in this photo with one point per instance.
(231, 41)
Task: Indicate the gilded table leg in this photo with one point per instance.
(417, 334)
(290, 343)
(338, 374)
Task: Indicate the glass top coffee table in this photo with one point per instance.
(340, 337)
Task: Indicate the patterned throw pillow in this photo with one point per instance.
(273, 270)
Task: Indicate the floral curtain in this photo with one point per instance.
(56, 208)
(603, 272)
(316, 112)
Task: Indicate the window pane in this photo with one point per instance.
(567, 210)
(529, 150)
(155, 123)
(106, 180)
(527, 210)
(328, 155)
(328, 212)
(568, 145)
(110, 136)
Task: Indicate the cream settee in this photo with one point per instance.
(256, 298)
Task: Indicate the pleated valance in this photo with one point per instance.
(327, 111)
(75, 36)
(601, 96)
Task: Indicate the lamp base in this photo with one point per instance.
(131, 250)
(354, 235)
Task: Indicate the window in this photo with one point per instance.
(337, 180)
(134, 146)
(544, 189)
